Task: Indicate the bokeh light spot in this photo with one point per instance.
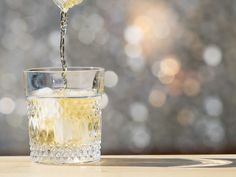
(105, 100)
(138, 112)
(212, 55)
(213, 106)
(165, 79)
(157, 98)
(185, 117)
(145, 23)
(133, 34)
(140, 138)
(111, 79)
(215, 132)
(7, 105)
(191, 87)
(170, 66)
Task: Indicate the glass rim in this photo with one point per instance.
(59, 69)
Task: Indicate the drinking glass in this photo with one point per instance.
(64, 120)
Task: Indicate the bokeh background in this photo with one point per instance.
(171, 70)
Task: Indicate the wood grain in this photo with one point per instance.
(127, 166)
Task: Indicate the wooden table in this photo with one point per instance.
(127, 166)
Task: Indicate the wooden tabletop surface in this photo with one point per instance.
(127, 166)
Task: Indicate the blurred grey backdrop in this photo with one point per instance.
(171, 70)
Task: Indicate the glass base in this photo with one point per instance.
(65, 155)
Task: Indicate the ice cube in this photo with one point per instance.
(58, 131)
(71, 130)
(44, 92)
(80, 93)
(48, 109)
(80, 131)
(73, 93)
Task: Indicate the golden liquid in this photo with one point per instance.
(65, 5)
(62, 46)
(64, 121)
